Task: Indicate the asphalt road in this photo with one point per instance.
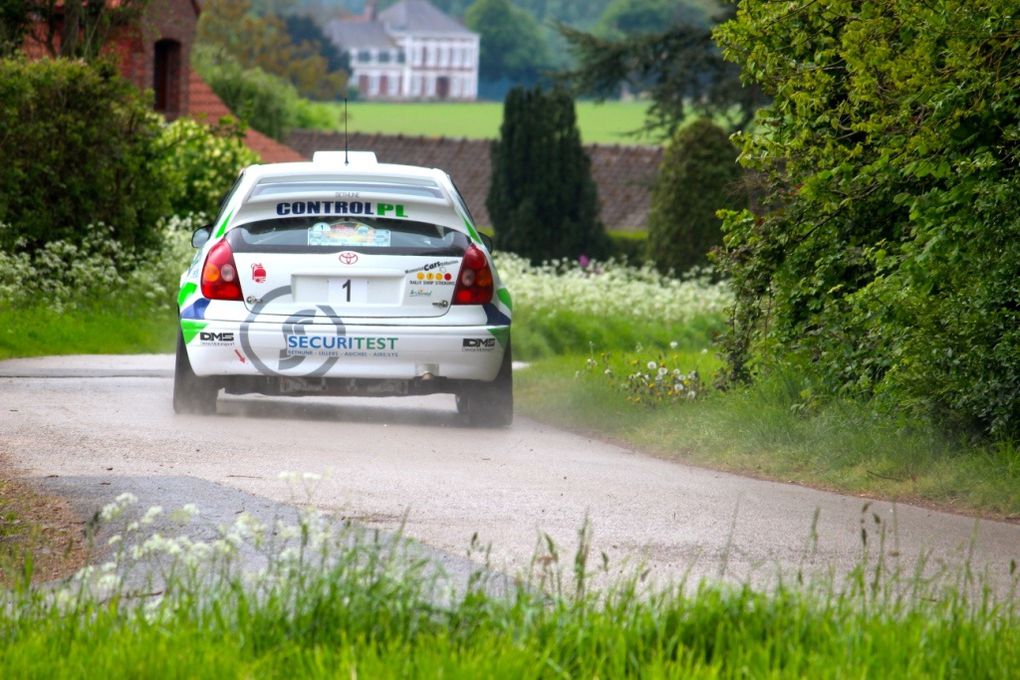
(89, 427)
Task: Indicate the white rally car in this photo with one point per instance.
(344, 276)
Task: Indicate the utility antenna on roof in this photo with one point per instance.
(346, 159)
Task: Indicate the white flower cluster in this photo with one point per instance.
(64, 274)
(610, 288)
(141, 555)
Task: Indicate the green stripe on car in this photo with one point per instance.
(191, 328)
(471, 232)
(504, 296)
(186, 291)
(223, 225)
(501, 333)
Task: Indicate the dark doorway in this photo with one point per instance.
(166, 77)
(442, 87)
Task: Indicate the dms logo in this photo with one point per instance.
(478, 344)
(216, 338)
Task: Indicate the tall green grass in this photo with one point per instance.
(344, 602)
(113, 326)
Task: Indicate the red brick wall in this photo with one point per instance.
(163, 19)
(135, 47)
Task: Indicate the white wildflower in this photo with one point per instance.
(151, 514)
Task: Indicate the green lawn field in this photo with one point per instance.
(608, 123)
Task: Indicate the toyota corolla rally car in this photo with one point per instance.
(344, 276)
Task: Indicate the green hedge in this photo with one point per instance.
(629, 245)
(80, 146)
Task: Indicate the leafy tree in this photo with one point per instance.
(571, 12)
(699, 175)
(631, 17)
(511, 47)
(76, 29)
(15, 20)
(266, 102)
(542, 199)
(201, 161)
(237, 34)
(889, 259)
(679, 67)
(80, 146)
(302, 29)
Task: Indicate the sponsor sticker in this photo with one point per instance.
(432, 266)
(340, 346)
(478, 344)
(258, 273)
(367, 208)
(224, 339)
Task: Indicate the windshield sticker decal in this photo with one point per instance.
(346, 234)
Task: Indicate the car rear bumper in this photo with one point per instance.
(319, 350)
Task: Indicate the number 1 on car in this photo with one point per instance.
(348, 291)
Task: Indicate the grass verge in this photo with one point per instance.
(767, 431)
(41, 538)
(110, 327)
(607, 123)
(338, 602)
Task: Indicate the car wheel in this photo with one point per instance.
(490, 404)
(192, 394)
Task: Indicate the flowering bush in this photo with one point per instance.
(610, 289)
(563, 306)
(201, 162)
(63, 274)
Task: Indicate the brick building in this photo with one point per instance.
(154, 53)
(407, 51)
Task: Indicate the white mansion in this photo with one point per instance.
(410, 50)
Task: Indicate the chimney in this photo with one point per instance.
(371, 11)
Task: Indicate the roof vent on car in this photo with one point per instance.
(339, 157)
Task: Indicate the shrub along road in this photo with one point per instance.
(107, 424)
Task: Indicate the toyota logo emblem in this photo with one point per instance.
(347, 257)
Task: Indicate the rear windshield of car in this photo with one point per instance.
(382, 235)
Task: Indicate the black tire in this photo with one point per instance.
(192, 394)
(490, 404)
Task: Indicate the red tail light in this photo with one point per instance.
(474, 283)
(219, 275)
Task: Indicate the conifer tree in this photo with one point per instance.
(543, 201)
(698, 176)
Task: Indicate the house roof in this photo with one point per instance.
(420, 16)
(624, 174)
(204, 105)
(355, 35)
